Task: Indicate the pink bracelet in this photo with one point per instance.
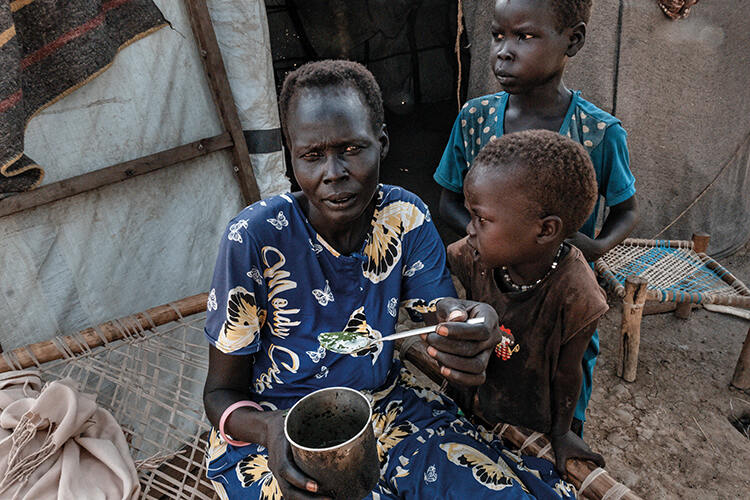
(227, 412)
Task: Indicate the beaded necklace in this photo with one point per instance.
(523, 288)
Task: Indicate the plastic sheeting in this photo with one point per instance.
(152, 239)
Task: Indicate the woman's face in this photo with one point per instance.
(335, 154)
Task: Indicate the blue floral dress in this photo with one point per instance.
(278, 284)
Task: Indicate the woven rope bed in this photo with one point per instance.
(148, 370)
(676, 271)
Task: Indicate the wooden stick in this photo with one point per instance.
(700, 245)
(630, 328)
(213, 64)
(731, 300)
(741, 378)
(110, 175)
(47, 350)
(719, 299)
(734, 311)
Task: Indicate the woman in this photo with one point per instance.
(342, 254)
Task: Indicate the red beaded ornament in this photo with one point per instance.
(503, 349)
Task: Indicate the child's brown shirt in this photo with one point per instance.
(519, 390)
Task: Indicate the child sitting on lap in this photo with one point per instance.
(532, 41)
(526, 193)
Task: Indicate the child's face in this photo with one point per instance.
(503, 226)
(526, 50)
(335, 154)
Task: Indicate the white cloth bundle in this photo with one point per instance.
(56, 443)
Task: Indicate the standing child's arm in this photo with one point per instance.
(453, 212)
(617, 186)
(450, 172)
(566, 387)
(621, 219)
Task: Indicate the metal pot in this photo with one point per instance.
(332, 441)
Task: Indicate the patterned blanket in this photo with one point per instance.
(49, 48)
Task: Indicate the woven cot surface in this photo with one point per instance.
(677, 270)
(152, 383)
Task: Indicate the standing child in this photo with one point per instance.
(526, 193)
(531, 43)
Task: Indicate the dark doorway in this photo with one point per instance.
(409, 47)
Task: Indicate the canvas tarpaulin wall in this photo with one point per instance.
(152, 239)
(681, 90)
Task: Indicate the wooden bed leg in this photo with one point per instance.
(741, 378)
(683, 310)
(630, 329)
(700, 245)
(700, 242)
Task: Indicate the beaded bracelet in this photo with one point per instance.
(225, 415)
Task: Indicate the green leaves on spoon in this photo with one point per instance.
(349, 342)
(343, 342)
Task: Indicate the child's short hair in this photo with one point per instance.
(333, 73)
(558, 173)
(570, 12)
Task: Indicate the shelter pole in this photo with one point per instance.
(111, 330)
(741, 378)
(630, 328)
(112, 174)
(213, 64)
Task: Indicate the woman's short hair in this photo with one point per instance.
(333, 73)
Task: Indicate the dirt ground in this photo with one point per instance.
(668, 434)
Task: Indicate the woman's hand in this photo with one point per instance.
(294, 484)
(568, 445)
(463, 350)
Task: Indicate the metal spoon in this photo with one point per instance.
(333, 342)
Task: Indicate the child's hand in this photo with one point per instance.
(590, 248)
(569, 445)
(461, 349)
